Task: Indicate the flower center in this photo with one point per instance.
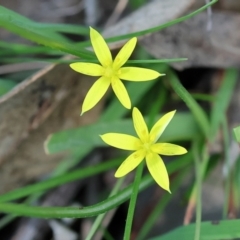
(147, 146)
(109, 72)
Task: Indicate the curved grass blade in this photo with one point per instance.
(56, 181)
(19, 25)
(74, 212)
(100, 218)
(16, 49)
(54, 60)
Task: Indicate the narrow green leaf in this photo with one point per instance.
(16, 49)
(61, 27)
(61, 179)
(199, 162)
(203, 97)
(6, 85)
(145, 61)
(24, 28)
(215, 230)
(73, 212)
(237, 133)
(228, 189)
(222, 100)
(13, 16)
(54, 60)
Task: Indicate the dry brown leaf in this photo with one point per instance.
(45, 103)
(150, 15)
(232, 5)
(218, 48)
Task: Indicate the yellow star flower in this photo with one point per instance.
(145, 146)
(111, 71)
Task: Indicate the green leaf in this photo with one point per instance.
(182, 127)
(222, 100)
(237, 133)
(13, 16)
(16, 49)
(167, 60)
(215, 230)
(61, 27)
(6, 85)
(29, 49)
(25, 28)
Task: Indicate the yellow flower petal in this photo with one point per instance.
(121, 93)
(140, 125)
(100, 48)
(130, 163)
(124, 53)
(137, 74)
(95, 93)
(122, 141)
(168, 149)
(91, 69)
(158, 170)
(160, 126)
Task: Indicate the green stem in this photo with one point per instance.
(100, 218)
(198, 189)
(133, 200)
(227, 164)
(157, 211)
(200, 169)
